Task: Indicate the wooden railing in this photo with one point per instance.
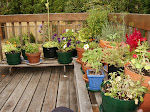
(62, 21)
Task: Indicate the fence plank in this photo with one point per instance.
(5, 28)
(43, 28)
(13, 29)
(1, 34)
(35, 32)
(148, 37)
(51, 29)
(43, 17)
(28, 30)
(58, 29)
(20, 32)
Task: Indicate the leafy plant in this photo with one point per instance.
(133, 39)
(124, 88)
(93, 57)
(32, 48)
(93, 45)
(141, 58)
(14, 40)
(50, 44)
(117, 56)
(10, 48)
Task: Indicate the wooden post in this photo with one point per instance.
(148, 37)
(20, 33)
(1, 54)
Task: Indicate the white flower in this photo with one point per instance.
(149, 82)
(67, 30)
(118, 78)
(64, 38)
(65, 46)
(72, 30)
(86, 46)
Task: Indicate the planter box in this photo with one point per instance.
(95, 80)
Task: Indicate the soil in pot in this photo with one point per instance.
(50, 52)
(64, 57)
(13, 58)
(33, 58)
(110, 104)
(112, 68)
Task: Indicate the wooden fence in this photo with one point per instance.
(68, 21)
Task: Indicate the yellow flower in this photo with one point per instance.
(15, 45)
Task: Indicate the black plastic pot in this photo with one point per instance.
(64, 57)
(23, 54)
(50, 52)
(112, 68)
(110, 104)
(74, 53)
(13, 59)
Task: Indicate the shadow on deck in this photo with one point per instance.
(37, 89)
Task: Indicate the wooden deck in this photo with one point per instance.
(37, 89)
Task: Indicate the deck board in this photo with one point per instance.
(51, 94)
(10, 88)
(26, 98)
(37, 89)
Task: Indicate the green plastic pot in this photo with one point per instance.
(110, 104)
(23, 54)
(64, 57)
(13, 59)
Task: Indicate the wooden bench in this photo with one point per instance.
(87, 101)
(44, 63)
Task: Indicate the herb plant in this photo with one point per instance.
(32, 48)
(10, 48)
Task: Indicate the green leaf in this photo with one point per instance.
(138, 66)
(133, 61)
(147, 67)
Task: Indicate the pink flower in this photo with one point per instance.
(149, 51)
(134, 56)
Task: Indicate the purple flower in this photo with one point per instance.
(40, 26)
(58, 40)
(68, 44)
(70, 40)
(79, 24)
(64, 31)
(55, 35)
(78, 42)
(39, 31)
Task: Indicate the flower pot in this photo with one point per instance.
(102, 43)
(23, 54)
(80, 51)
(95, 80)
(13, 59)
(74, 53)
(33, 58)
(145, 106)
(50, 52)
(85, 68)
(64, 57)
(110, 104)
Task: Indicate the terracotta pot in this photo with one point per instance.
(80, 51)
(102, 43)
(85, 68)
(145, 106)
(33, 58)
(79, 61)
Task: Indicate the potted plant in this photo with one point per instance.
(64, 51)
(32, 52)
(12, 53)
(116, 57)
(95, 74)
(138, 68)
(121, 94)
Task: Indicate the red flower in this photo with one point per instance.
(149, 51)
(133, 39)
(134, 56)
